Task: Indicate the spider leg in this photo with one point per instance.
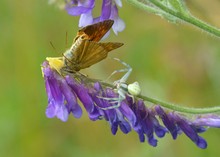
(118, 101)
(115, 100)
(132, 97)
(128, 69)
(117, 71)
(110, 107)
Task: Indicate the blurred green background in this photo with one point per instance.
(175, 63)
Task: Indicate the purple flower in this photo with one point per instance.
(64, 90)
(61, 98)
(147, 123)
(168, 122)
(84, 9)
(190, 131)
(178, 124)
(119, 24)
(208, 120)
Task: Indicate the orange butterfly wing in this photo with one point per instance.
(96, 31)
(93, 52)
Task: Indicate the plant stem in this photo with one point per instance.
(179, 108)
(144, 7)
(173, 107)
(184, 17)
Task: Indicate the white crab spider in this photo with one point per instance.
(122, 88)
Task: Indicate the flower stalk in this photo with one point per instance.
(168, 105)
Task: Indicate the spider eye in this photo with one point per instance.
(134, 89)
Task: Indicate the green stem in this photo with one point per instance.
(184, 17)
(179, 108)
(173, 107)
(144, 7)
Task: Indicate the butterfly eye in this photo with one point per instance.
(81, 37)
(84, 36)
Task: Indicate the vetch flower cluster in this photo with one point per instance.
(65, 90)
(84, 8)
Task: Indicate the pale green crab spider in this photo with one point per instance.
(122, 88)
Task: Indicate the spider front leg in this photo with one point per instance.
(128, 71)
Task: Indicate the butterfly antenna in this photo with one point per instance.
(53, 47)
(66, 39)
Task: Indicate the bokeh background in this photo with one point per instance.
(173, 62)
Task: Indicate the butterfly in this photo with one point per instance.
(86, 49)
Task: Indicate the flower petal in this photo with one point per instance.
(86, 19)
(62, 113)
(118, 2)
(167, 122)
(82, 94)
(208, 120)
(77, 10)
(70, 97)
(128, 113)
(118, 25)
(106, 10)
(190, 132)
